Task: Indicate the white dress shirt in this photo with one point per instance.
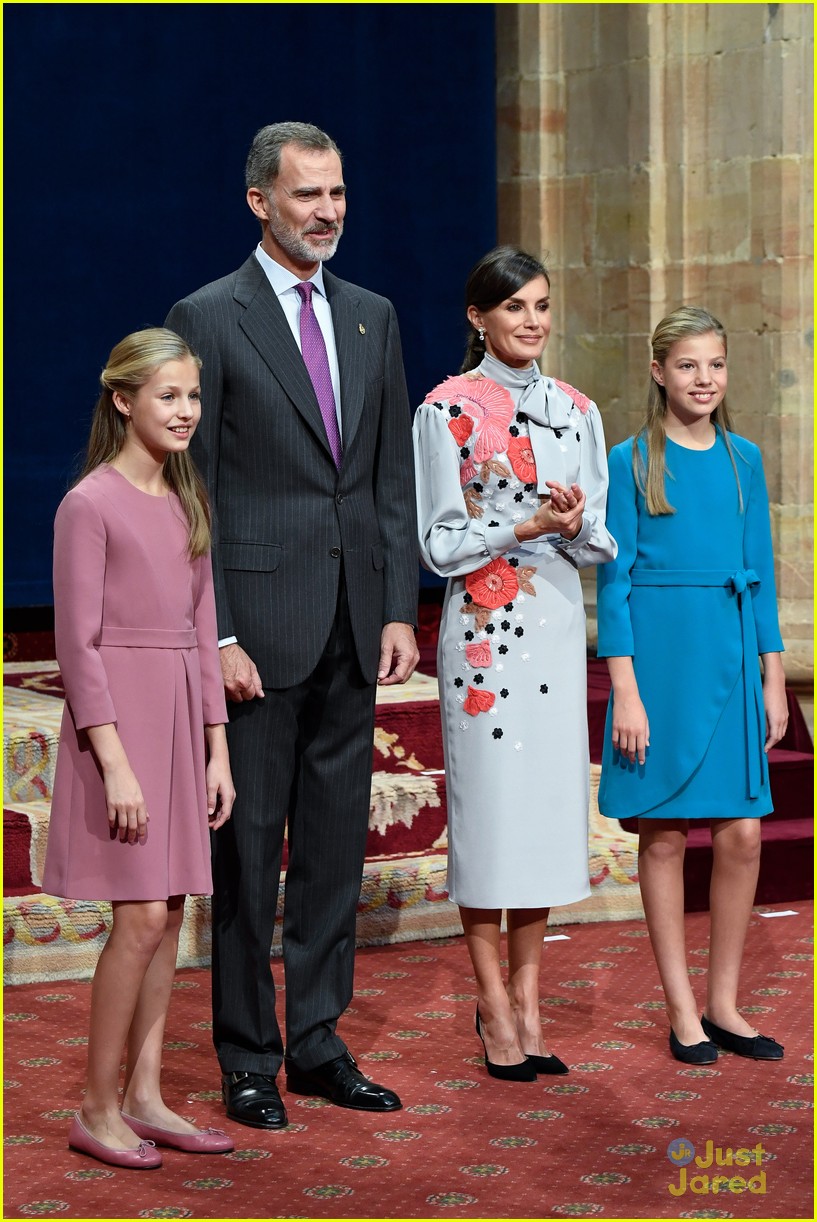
(284, 284)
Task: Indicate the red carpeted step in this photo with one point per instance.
(17, 854)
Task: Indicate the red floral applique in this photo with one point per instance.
(478, 654)
(461, 427)
(521, 458)
(582, 402)
(493, 585)
(478, 700)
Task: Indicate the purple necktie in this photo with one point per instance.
(313, 350)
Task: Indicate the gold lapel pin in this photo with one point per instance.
(361, 328)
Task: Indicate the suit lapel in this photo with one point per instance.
(267, 329)
(350, 341)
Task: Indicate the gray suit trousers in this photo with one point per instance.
(306, 754)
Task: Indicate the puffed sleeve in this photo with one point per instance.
(613, 597)
(80, 550)
(214, 704)
(758, 555)
(594, 544)
(451, 543)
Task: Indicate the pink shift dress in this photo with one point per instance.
(136, 639)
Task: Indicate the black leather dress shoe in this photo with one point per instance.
(342, 1082)
(253, 1099)
(760, 1047)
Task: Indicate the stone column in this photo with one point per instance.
(661, 154)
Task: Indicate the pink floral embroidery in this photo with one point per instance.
(478, 701)
(582, 402)
(467, 471)
(521, 459)
(493, 585)
(490, 406)
(478, 654)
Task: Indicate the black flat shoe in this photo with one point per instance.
(342, 1082)
(253, 1099)
(523, 1071)
(759, 1047)
(550, 1064)
(703, 1053)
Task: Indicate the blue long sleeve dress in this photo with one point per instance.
(691, 598)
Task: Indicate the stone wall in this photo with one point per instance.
(662, 154)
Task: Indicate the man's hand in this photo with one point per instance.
(241, 679)
(398, 654)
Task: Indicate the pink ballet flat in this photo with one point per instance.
(206, 1141)
(143, 1158)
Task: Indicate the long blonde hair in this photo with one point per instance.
(132, 362)
(650, 474)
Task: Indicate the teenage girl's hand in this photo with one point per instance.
(220, 788)
(123, 795)
(560, 514)
(631, 729)
(774, 699)
(220, 795)
(126, 806)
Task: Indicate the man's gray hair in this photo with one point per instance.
(264, 158)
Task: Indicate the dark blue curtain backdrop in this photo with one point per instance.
(127, 127)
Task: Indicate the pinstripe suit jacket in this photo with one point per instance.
(286, 520)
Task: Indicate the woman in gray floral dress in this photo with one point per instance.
(511, 488)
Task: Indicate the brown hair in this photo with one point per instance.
(132, 362)
(650, 474)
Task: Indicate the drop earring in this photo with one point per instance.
(481, 334)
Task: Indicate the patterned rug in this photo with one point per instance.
(596, 1143)
(403, 890)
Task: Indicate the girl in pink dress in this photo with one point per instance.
(142, 768)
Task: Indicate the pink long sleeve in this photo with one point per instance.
(214, 704)
(80, 546)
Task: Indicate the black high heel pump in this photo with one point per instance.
(551, 1064)
(522, 1072)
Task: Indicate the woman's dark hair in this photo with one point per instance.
(497, 276)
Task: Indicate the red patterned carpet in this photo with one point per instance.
(590, 1144)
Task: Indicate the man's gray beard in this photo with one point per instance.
(297, 246)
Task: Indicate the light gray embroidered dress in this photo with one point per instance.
(512, 646)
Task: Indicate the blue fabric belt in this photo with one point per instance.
(739, 581)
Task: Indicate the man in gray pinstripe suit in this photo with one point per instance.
(315, 568)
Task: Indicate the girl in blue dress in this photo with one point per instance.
(684, 610)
